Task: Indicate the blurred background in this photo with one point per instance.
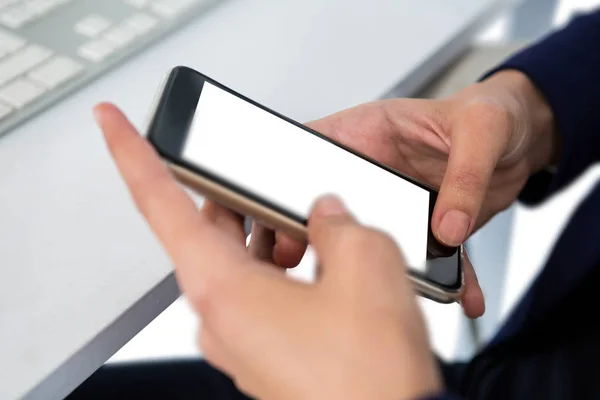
(507, 253)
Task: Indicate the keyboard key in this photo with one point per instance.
(141, 23)
(55, 72)
(22, 61)
(5, 3)
(15, 18)
(4, 110)
(10, 42)
(29, 8)
(171, 8)
(137, 3)
(41, 7)
(23, 12)
(120, 35)
(92, 25)
(96, 50)
(20, 92)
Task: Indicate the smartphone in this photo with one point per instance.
(262, 164)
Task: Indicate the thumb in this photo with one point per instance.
(478, 141)
(327, 225)
(339, 240)
(354, 258)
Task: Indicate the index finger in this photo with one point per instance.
(170, 212)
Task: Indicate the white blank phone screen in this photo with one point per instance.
(291, 168)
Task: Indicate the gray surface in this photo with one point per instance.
(468, 69)
(532, 19)
(437, 61)
(82, 265)
(93, 354)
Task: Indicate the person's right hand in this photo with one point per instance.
(355, 333)
(478, 146)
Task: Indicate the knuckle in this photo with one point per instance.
(144, 201)
(491, 118)
(489, 112)
(148, 192)
(352, 236)
(204, 295)
(124, 146)
(381, 242)
(468, 181)
(359, 237)
(216, 291)
(205, 219)
(201, 299)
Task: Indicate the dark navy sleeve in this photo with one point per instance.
(565, 67)
(445, 396)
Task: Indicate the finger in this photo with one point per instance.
(203, 252)
(472, 299)
(335, 234)
(354, 258)
(172, 215)
(329, 217)
(478, 141)
(262, 242)
(225, 219)
(288, 252)
(253, 311)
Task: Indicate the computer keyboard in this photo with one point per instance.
(49, 48)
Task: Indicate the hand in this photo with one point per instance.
(355, 334)
(478, 146)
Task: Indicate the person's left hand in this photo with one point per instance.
(406, 143)
(356, 333)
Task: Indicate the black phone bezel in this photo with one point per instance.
(169, 126)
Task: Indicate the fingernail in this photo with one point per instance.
(329, 206)
(98, 115)
(454, 228)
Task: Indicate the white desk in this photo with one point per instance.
(81, 273)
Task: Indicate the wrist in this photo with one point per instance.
(543, 140)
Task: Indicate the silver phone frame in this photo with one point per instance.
(275, 220)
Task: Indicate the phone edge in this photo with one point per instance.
(274, 220)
